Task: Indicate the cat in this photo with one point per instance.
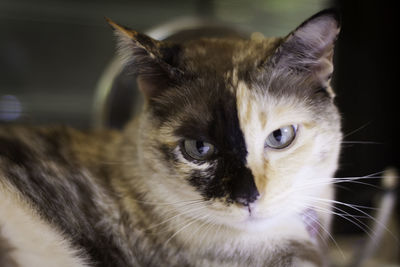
(236, 142)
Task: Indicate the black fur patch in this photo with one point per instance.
(14, 150)
(237, 180)
(212, 117)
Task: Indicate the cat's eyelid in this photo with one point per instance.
(189, 158)
(296, 126)
(198, 138)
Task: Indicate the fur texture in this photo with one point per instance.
(140, 198)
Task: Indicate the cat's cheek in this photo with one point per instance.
(283, 168)
(227, 213)
(289, 181)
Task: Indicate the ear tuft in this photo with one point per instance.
(150, 60)
(120, 29)
(131, 42)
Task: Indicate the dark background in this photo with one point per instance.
(53, 53)
(366, 82)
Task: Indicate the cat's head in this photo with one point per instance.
(248, 126)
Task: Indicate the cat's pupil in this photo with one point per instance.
(196, 149)
(278, 135)
(281, 137)
(202, 148)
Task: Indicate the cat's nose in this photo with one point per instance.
(248, 199)
(244, 190)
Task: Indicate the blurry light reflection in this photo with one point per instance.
(10, 108)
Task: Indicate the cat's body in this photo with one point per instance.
(222, 168)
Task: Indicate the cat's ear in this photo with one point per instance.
(152, 61)
(310, 47)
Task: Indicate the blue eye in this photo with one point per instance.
(198, 150)
(282, 137)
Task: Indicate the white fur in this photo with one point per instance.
(32, 241)
(282, 176)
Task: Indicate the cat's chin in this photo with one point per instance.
(253, 223)
(308, 219)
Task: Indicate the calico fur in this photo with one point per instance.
(136, 198)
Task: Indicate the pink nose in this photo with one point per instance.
(247, 200)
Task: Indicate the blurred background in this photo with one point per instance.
(55, 55)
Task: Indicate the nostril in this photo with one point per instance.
(243, 201)
(247, 199)
(254, 196)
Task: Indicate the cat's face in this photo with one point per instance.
(249, 127)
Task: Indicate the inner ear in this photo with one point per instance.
(310, 47)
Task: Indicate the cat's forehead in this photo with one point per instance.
(197, 102)
(224, 77)
(222, 56)
(221, 64)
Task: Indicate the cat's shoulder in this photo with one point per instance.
(45, 174)
(27, 145)
(29, 155)
(27, 239)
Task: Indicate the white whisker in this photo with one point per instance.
(338, 181)
(321, 237)
(356, 130)
(359, 210)
(346, 215)
(362, 142)
(188, 211)
(194, 201)
(328, 233)
(197, 230)
(184, 227)
(341, 203)
(208, 227)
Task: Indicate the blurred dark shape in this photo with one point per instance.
(366, 83)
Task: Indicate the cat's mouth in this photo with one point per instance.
(251, 215)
